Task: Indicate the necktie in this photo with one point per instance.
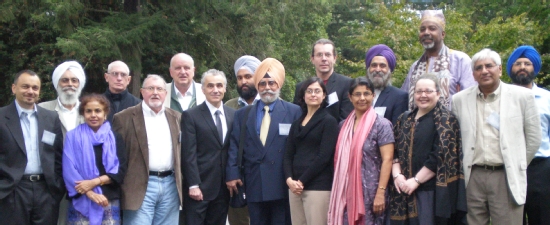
(265, 125)
(219, 124)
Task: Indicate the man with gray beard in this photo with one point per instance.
(68, 79)
(389, 101)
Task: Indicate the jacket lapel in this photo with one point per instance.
(208, 119)
(173, 124)
(251, 128)
(331, 83)
(471, 107)
(383, 96)
(141, 132)
(229, 120)
(14, 124)
(277, 115)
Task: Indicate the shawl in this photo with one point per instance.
(347, 187)
(450, 190)
(79, 164)
(441, 70)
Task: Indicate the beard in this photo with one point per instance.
(249, 94)
(68, 95)
(380, 81)
(522, 80)
(267, 99)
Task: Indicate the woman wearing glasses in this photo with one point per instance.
(94, 165)
(427, 167)
(309, 155)
(362, 162)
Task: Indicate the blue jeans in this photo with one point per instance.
(160, 206)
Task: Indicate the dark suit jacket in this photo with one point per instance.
(203, 153)
(13, 154)
(339, 84)
(263, 165)
(395, 100)
(130, 123)
(309, 152)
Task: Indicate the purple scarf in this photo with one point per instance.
(79, 164)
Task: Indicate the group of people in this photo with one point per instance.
(453, 145)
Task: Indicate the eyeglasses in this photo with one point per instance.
(271, 84)
(66, 80)
(316, 91)
(152, 89)
(360, 94)
(526, 64)
(116, 74)
(427, 92)
(487, 66)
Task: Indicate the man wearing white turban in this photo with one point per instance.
(68, 80)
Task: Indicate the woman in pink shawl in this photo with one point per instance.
(363, 158)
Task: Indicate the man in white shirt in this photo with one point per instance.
(151, 192)
(183, 93)
(204, 147)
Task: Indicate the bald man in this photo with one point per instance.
(183, 93)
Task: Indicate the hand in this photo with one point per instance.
(83, 186)
(399, 182)
(409, 186)
(379, 202)
(232, 186)
(97, 198)
(195, 193)
(295, 187)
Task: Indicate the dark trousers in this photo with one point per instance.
(29, 203)
(537, 203)
(212, 212)
(275, 212)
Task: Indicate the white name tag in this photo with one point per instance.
(494, 120)
(48, 137)
(380, 110)
(332, 98)
(284, 128)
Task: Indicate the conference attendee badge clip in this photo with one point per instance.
(48, 137)
(284, 128)
(332, 98)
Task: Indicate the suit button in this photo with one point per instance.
(272, 162)
(469, 167)
(473, 148)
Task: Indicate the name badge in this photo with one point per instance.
(332, 98)
(380, 110)
(48, 137)
(494, 120)
(284, 128)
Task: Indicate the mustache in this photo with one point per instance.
(268, 92)
(69, 88)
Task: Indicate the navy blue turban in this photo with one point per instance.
(525, 51)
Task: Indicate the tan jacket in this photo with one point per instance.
(130, 123)
(53, 105)
(520, 133)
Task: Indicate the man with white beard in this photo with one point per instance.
(68, 79)
(389, 102)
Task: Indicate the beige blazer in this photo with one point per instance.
(53, 105)
(130, 123)
(520, 133)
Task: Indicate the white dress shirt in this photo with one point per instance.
(159, 139)
(213, 110)
(185, 98)
(68, 116)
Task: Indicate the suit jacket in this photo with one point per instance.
(395, 100)
(53, 105)
(200, 98)
(520, 133)
(338, 84)
(263, 165)
(13, 153)
(203, 153)
(130, 123)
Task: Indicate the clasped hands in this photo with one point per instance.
(84, 187)
(407, 186)
(295, 186)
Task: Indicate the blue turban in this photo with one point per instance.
(247, 62)
(526, 51)
(381, 50)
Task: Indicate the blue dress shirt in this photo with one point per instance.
(542, 99)
(29, 125)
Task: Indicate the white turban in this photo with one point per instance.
(74, 67)
(247, 62)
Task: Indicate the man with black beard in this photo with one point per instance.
(389, 101)
(244, 67)
(68, 79)
(523, 66)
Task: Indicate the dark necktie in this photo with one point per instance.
(219, 124)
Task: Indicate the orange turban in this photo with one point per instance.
(272, 68)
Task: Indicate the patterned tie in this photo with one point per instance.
(264, 129)
(219, 124)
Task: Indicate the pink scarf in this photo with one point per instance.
(347, 188)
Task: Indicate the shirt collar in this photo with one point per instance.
(189, 91)
(147, 111)
(271, 106)
(63, 108)
(28, 111)
(213, 109)
(495, 93)
(242, 102)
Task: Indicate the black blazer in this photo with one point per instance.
(13, 155)
(395, 100)
(309, 152)
(339, 84)
(203, 154)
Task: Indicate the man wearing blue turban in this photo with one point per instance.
(389, 101)
(245, 67)
(523, 66)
